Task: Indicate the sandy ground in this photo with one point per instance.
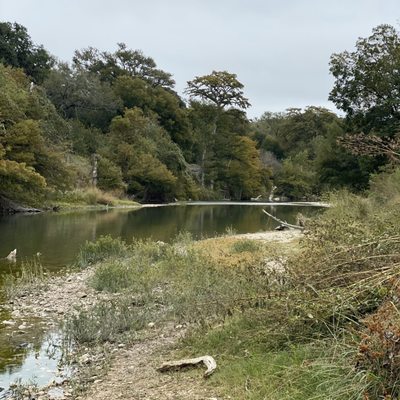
(272, 236)
(134, 375)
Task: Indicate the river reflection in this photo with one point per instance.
(58, 236)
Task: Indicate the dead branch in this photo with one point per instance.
(283, 222)
(208, 361)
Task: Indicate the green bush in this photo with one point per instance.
(103, 248)
(112, 277)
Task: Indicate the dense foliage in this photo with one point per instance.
(119, 110)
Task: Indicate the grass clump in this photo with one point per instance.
(104, 322)
(103, 248)
(245, 245)
(29, 278)
(89, 196)
(112, 277)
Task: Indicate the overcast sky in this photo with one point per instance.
(279, 49)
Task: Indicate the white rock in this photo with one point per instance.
(85, 359)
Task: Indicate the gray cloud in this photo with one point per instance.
(279, 49)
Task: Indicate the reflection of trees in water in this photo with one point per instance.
(59, 236)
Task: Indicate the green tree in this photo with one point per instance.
(150, 162)
(18, 50)
(123, 62)
(217, 91)
(170, 111)
(83, 96)
(367, 82)
(110, 176)
(296, 179)
(30, 160)
(19, 181)
(220, 88)
(241, 172)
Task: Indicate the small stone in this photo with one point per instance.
(97, 381)
(121, 346)
(151, 324)
(179, 326)
(9, 323)
(85, 359)
(55, 394)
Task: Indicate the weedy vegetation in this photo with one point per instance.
(29, 277)
(318, 319)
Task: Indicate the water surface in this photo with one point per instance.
(58, 236)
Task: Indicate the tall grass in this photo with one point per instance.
(104, 322)
(89, 196)
(105, 247)
(28, 278)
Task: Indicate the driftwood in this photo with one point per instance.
(283, 223)
(208, 361)
(12, 256)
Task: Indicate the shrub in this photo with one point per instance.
(113, 277)
(103, 248)
(379, 349)
(105, 321)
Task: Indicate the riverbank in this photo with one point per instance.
(135, 356)
(285, 315)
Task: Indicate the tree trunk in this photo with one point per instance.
(94, 171)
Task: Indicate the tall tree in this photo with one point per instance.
(217, 91)
(18, 50)
(29, 161)
(367, 82)
(123, 61)
(221, 88)
(82, 95)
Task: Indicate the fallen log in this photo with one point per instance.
(208, 361)
(283, 223)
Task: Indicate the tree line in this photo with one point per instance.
(150, 144)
